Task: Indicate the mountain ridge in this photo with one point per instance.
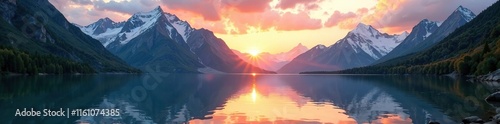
(361, 46)
(456, 19)
(52, 34)
(191, 49)
(471, 49)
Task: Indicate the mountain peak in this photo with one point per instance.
(106, 19)
(466, 13)
(155, 11)
(299, 47)
(363, 29)
(362, 26)
(319, 46)
(405, 33)
(158, 9)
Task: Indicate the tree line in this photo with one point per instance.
(16, 61)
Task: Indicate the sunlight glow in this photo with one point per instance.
(285, 106)
(254, 52)
(254, 94)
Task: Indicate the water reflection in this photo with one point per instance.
(214, 99)
(267, 101)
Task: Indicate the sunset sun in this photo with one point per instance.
(254, 52)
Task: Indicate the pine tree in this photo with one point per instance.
(486, 48)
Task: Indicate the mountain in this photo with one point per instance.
(360, 47)
(103, 30)
(472, 49)
(35, 26)
(161, 39)
(270, 61)
(419, 33)
(214, 53)
(427, 35)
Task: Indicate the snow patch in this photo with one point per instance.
(371, 41)
(466, 13)
(148, 18)
(182, 27)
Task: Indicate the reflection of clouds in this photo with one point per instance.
(273, 102)
(376, 105)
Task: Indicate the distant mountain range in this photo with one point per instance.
(472, 49)
(360, 47)
(156, 38)
(35, 26)
(427, 33)
(270, 61)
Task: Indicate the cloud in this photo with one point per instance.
(244, 16)
(205, 8)
(338, 17)
(268, 20)
(395, 16)
(290, 4)
(83, 2)
(300, 21)
(247, 6)
(128, 7)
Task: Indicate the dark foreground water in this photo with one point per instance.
(215, 99)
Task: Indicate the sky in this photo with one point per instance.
(276, 25)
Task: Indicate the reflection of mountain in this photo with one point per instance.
(53, 92)
(182, 97)
(374, 105)
(177, 97)
(366, 98)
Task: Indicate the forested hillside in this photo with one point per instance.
(15, 61)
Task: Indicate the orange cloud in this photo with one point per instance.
(247, 6)
(205, 8)
(290, 4)
(300, 21)
(338, 17)
(238, 23)
(242, 16)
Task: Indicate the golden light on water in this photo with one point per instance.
(267, 102)
(254, 93)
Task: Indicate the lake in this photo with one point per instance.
(246, 98)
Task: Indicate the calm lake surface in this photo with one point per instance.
(215, 99)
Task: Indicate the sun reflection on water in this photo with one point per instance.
(254, 93)
(271, 104)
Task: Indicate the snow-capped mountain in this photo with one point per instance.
(291, 54)
(103, 30)
(371, 41)
(270, 61)
(419, 33)
(182, 27)
(157, 38)
(360, 47)
(432, 35)
(467, 14)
